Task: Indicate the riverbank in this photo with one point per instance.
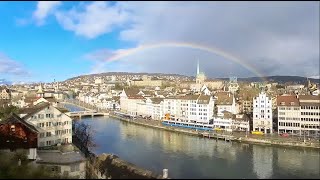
(111, 166)
(232, 138)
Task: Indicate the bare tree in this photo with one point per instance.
(83, 134)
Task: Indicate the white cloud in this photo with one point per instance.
(44, 8)
(93, 20)
(275, 37)
(10, 67)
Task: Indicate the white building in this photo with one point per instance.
(233, 85)
(310, 114)
(223, 123)
(190, 108)
(288, 114)
(226, 102)
(155, 108)
(129, 100)
(262, 113)
(231, 122)
(54, 126)
(99, 80)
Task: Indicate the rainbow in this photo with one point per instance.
(124, 53)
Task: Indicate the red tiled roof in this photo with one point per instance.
(287, 100)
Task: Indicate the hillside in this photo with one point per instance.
(278, 79)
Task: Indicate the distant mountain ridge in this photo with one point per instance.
(126, 73)
(278, 79)
(5, 82)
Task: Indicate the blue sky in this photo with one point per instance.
(48, 51)
(58, 40)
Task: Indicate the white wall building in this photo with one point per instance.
(226, 102)
(262, 113)
(54, 126)
(190, 108)
(288, 114)
(310, 114)
(129, 102)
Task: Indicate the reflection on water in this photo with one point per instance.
(195, 157)
(262, 161)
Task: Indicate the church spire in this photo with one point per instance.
(198, 68)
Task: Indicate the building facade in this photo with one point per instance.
(310, 115)
(299, 115)
(288, 114)
(262, 113)
(5, 93)
(54, 126)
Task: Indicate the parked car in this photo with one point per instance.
(284, 135)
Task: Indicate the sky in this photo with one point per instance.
(47, 40)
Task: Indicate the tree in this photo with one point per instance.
(83, 134)
(10, 169)
(6, 110)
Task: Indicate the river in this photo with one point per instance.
(194, 157)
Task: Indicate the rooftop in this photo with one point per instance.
(57, 157)
(287, 100)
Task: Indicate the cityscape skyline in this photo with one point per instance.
(57, 40)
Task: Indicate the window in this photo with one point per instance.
(74, 167)
(13, 128)
(55, 168)
(41, 135)
(41, 144)
(48, 134)
(48, 143)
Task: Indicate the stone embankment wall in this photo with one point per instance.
(112, 167)
(235, 138)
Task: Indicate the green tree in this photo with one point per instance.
(5, 111)
(10, 168)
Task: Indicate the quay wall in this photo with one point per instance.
(232, 138)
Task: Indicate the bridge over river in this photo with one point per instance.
(81, 114)
(80, 109)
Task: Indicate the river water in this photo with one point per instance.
(194, 157)
(188, 156)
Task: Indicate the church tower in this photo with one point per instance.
(200, 78)
(40, 92)
(198, 68)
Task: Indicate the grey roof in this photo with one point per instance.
(33, 109)
(57, 157)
